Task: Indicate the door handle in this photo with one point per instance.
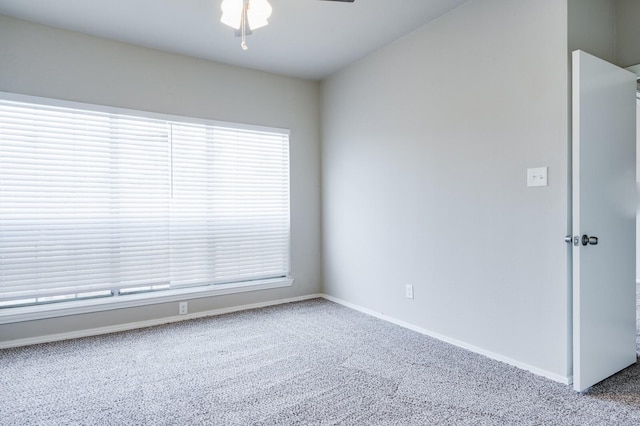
(593, 241)
(570, 239)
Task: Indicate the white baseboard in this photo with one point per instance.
(458, 343)
(149, 323)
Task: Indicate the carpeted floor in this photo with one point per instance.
(311, 362)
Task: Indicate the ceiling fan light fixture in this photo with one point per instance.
(257, 13)
(232, 11)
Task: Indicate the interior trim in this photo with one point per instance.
(76, 307)
(141, 324)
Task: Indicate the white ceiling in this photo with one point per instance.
(305, 38)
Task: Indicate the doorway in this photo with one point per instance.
(636, 70)
(604, 319)
(638, 219)
(638, 214)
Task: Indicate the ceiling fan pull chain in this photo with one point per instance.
(243, 43)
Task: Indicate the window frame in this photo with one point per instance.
(90, 305)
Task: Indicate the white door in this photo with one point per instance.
(604, 209)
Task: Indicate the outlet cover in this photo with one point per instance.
(183, 308)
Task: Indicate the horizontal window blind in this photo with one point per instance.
(230, 207)
(98, 203)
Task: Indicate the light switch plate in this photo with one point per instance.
(409, 291)
(537, 176)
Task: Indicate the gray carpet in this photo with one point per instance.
(311, 362)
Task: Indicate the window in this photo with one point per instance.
(96, 204)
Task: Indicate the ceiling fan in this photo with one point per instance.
(248, 15)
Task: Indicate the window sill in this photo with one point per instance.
(61, 309)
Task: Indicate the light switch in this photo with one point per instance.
(537, 176)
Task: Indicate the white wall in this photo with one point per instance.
(628, 32)
(42, 61)
(606, 28)
(592, 27)
(425, 149)
(628, 54)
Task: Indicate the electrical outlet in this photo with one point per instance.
(409, 291)
(183, 308)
